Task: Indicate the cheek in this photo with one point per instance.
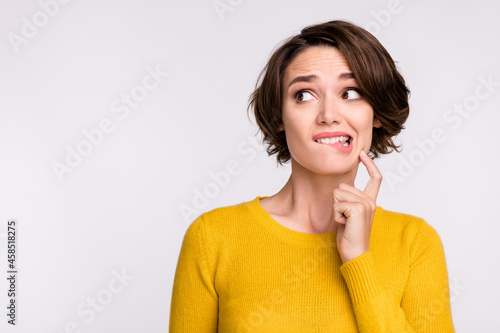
(296, 134)
(363, 124)
(292, 134)
(292, 125)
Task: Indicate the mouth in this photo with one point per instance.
(341, 141)
(345, 140)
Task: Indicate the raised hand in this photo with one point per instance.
(354, 210)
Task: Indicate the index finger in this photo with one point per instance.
(373, 185)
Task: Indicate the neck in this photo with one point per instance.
(307, 198)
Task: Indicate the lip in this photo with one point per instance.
(330, 134)
(339, 146)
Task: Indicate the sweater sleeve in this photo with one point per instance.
(194, 304)
(425, 305)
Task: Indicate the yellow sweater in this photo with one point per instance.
(241, 271)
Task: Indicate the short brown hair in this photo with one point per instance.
(374, 70)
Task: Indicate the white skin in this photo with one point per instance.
(320, 196)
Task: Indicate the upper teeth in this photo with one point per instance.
(336, 139)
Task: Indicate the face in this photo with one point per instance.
(322, 107)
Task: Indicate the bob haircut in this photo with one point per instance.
(375, 72)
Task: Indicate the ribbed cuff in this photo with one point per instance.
(361, 278)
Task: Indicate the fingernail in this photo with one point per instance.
(363, 152)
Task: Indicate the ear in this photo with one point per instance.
(281, 127)
(376, 123)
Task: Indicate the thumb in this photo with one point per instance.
(338, 211)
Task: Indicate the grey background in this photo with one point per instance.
(119, 210)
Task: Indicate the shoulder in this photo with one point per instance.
(217, 233)
(222, 222)
(395, 219)
(406, 227)
(224, 217)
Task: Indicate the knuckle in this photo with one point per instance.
(359, 205)
(366, 205)
(369, 200)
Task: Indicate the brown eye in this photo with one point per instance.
(303, 96)
(351, 94)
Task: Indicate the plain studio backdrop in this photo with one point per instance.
(122, 121)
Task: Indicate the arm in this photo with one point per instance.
(426, 299)
(425, 305)
(194, 305)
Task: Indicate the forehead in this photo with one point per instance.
(317, 59)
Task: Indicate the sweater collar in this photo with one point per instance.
(289, 236)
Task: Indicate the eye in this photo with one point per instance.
(351, 93)
(303, 95)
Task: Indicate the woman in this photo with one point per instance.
(319, 255)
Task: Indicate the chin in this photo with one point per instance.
(329, 166)
(333, 171)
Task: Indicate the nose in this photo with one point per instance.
(329, 112)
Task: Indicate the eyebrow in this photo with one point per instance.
(309, 78)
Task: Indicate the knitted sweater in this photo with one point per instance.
(241, 271)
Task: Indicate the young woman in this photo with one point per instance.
(319, 255)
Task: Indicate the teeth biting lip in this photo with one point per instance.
(333, 137)
(344, 139)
